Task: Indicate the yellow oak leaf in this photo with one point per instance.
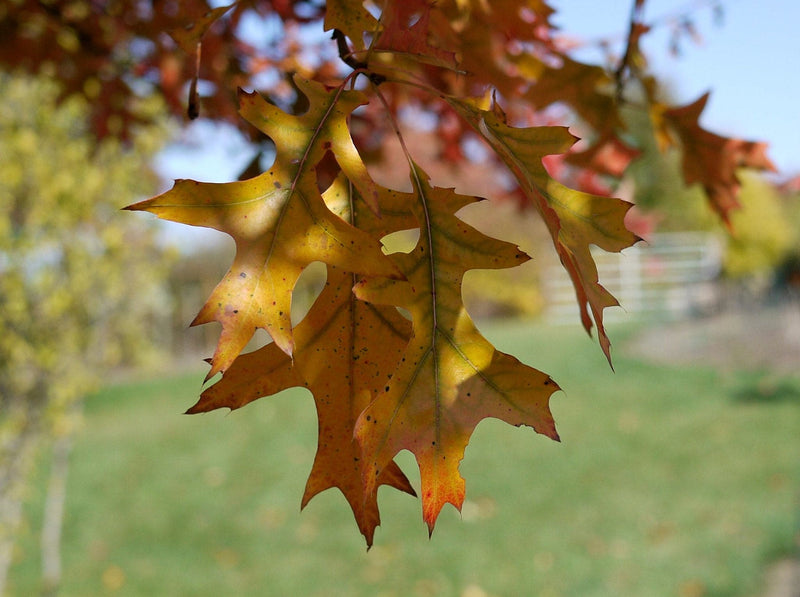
(352, 19)
(278, 219)
(576, 220)
(449, 377)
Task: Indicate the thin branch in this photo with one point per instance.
(347, 57)
(53, 519)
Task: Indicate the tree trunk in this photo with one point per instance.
(53, 519)
(17, 451)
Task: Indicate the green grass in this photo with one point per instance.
(668, 481)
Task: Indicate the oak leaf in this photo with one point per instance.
(576, 220)
(401, 37)
(352, 19)
(278, 219)
(712, 160)
(449, 377)
(345, 351)
(485, 31)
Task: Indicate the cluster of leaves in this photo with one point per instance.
(488, 71)
(116, 53)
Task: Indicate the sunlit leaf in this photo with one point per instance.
(450, 377)
(278, 220)
(576, 220)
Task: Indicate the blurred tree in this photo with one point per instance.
(81, 285)
(765, 232)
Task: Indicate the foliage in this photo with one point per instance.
(77, 281)
(492, 73)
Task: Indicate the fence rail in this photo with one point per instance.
(671, 276)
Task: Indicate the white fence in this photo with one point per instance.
(671, 276)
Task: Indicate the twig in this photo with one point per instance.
(347, 57)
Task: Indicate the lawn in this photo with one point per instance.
(668, 482)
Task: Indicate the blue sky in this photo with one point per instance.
(750, 62)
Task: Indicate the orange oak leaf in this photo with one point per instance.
(345, 351)
(712, 160)
(400, 36)
(449, 377)
(575, 219)
(329, 346)
(278, 219)
(484, 33)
